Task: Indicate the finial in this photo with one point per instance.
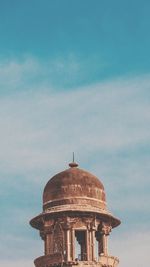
(73, 163)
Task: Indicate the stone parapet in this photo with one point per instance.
(108, 261)
(56, 260)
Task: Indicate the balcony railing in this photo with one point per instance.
(57, 260)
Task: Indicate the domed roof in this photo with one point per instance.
(74, 189)
(73, 192)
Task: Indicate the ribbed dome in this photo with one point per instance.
(74, 189)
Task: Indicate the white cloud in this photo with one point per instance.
(132, 249)
(28, 73)
(16, 73)
(41, 128)
(106, 124)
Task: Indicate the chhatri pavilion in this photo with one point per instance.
(75, 223)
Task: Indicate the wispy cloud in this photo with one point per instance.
(106, 124)
(30, 74)
(107, 117)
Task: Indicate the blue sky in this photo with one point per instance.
(102, 38)
(74, 76)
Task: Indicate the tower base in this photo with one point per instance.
(51, 261)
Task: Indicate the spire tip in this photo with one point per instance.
(73, 163)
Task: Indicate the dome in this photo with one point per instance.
(74, 190)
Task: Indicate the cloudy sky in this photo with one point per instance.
(74, 76)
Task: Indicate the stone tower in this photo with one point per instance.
(75, 223)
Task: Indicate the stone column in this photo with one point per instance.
(87, 245)
(68, 244)
(67, 230)
(72, 244)
(106, 229)
(93, 244)
(46, 235)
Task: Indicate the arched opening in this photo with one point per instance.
(80, 245)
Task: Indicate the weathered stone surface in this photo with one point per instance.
(74, 186)
(75, 212)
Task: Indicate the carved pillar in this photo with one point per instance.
(106, 229)
(48, 240)
(46, 235)
(93, 244)
(87, 245)
(68, 244)
(46, 244)
(72, 244)
(90, 246)
(68, 238)
(92, 228)
(49, 244)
